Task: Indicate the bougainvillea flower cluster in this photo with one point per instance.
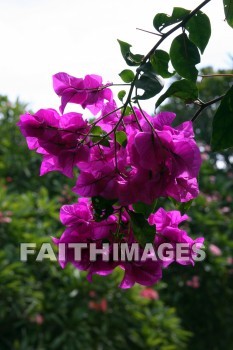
(126, 160)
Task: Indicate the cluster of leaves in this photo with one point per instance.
(183, 56)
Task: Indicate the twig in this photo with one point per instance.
(205, 105)
(215, 75)
(147, 31)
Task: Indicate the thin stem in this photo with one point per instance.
(145, 117)
(147, 31)
(110, 132)
(215, 75)
(136, 117)
(119, 219)
(164, 148)
(122, 84)
(96, 122)
(115, 153)
(205, 105)
(104, 116)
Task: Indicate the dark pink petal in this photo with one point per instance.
(162, 119)
(69, 88)
(75, 214)
(187, 157)
(183, 189)
(105, 228)
(88, 185)
(65, 161)
(145, 273)
(149, 153)
(163, 219)
(186, 129)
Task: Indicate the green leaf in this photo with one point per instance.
(199, 29)
(121, 95)
(127, 75)
(143, 232)
(183, 89)
(160, 60)
(105, 142)
(98, 136)
(162, 20)
(228, 9)
(130, 59)
(102, 207)
(121, 138)
(183, 207)
(149, 82)
(184, 56)
(96, 130)
(145, 209)
(222, 135)
(127, 110)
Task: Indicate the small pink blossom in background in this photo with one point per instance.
(204, 156)
(9, 179)
(212, 179)
(93, 305)
(38, 319)
(230, 260)
(194, 282)
(225, 210)
(229, 199)
(215, 250)
(102, 306)
(149, 293)
(92, 293)
(88, 92)
(5, 217)
(213, 198)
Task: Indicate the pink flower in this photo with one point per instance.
(58, 139)
(172, 161)
(121, 160)
(194, 282)
(89, 92)
(92, 293)
(149, 293)
(4, 217)
(101, 306)
(164, 163)
(38, 318)
(215, 250)
(145, 273)
(168, 232)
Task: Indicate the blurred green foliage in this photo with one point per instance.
(43, 307)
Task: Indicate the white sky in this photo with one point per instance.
(42, 37)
